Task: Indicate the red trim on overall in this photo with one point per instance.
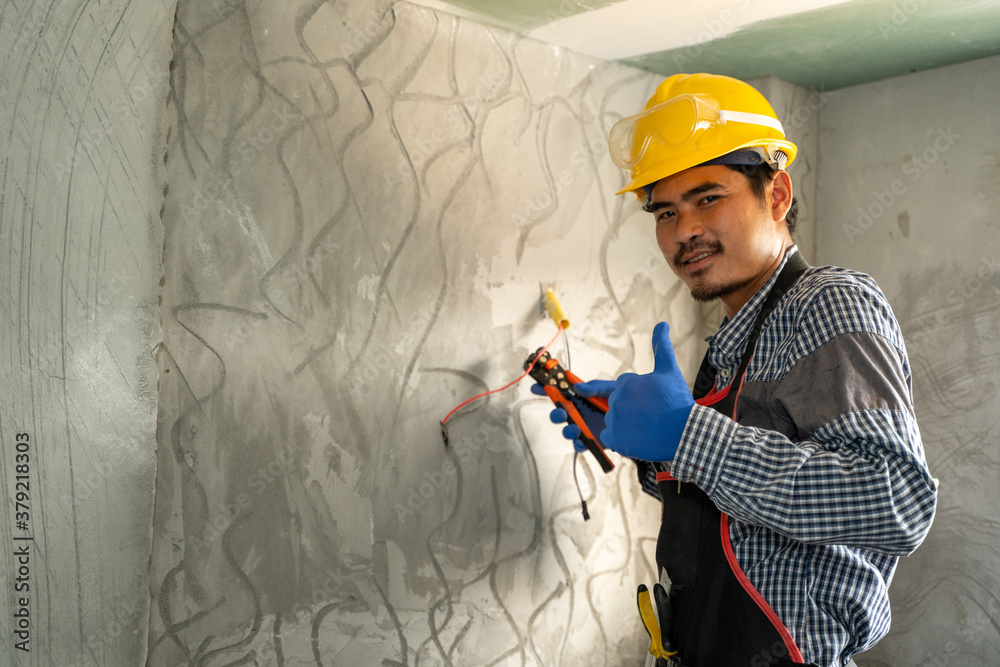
(739, 390)
(713, 397)
(786, 636)
(727, 546)
(708, 399)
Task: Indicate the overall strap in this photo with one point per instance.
(794, 267)
(717, 619)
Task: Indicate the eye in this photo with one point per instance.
(708, 199)
(664, 214)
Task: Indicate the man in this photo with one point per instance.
(796, 480)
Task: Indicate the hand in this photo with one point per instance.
(592, 417)
(647, 413)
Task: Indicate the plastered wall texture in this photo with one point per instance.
(365, 201)
(799, 109)
(364, 205)
(82, 128)
(910, 193)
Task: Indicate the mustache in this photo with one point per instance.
(697, 246)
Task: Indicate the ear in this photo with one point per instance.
(781, 195)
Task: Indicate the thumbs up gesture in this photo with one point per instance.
(647, 413)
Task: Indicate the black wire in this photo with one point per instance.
(583, 503)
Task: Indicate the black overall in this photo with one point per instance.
(720, 620)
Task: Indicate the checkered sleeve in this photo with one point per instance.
(824, 491)
(858, 476)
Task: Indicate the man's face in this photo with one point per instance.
(717, 236)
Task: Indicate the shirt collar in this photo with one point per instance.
(726, 345)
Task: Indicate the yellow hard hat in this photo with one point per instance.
(692, 119)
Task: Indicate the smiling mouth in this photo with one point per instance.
(700, 257)
(699, 262)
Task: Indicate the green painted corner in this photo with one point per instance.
(846, 45)
(523, 16)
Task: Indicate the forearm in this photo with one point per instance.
(860, 480)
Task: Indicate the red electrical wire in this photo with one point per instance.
(494, 391)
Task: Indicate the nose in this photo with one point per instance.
(688, 229)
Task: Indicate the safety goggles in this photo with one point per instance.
(683, 123)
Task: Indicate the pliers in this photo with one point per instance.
(558, 384)
(658, 625)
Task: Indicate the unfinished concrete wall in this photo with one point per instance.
(798, 109)
(364, 203)
(82, 107)
(910, 193)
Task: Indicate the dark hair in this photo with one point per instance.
(759, 176)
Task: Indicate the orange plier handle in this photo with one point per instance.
(558, 384)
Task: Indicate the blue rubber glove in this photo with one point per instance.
(647, 413)
(594, 418)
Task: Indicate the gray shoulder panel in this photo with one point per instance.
(852, 371)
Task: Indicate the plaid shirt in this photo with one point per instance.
(824, 476)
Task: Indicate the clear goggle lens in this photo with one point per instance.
(685, 122)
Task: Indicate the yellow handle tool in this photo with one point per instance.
(649, 620)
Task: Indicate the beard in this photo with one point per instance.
(708, 292)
